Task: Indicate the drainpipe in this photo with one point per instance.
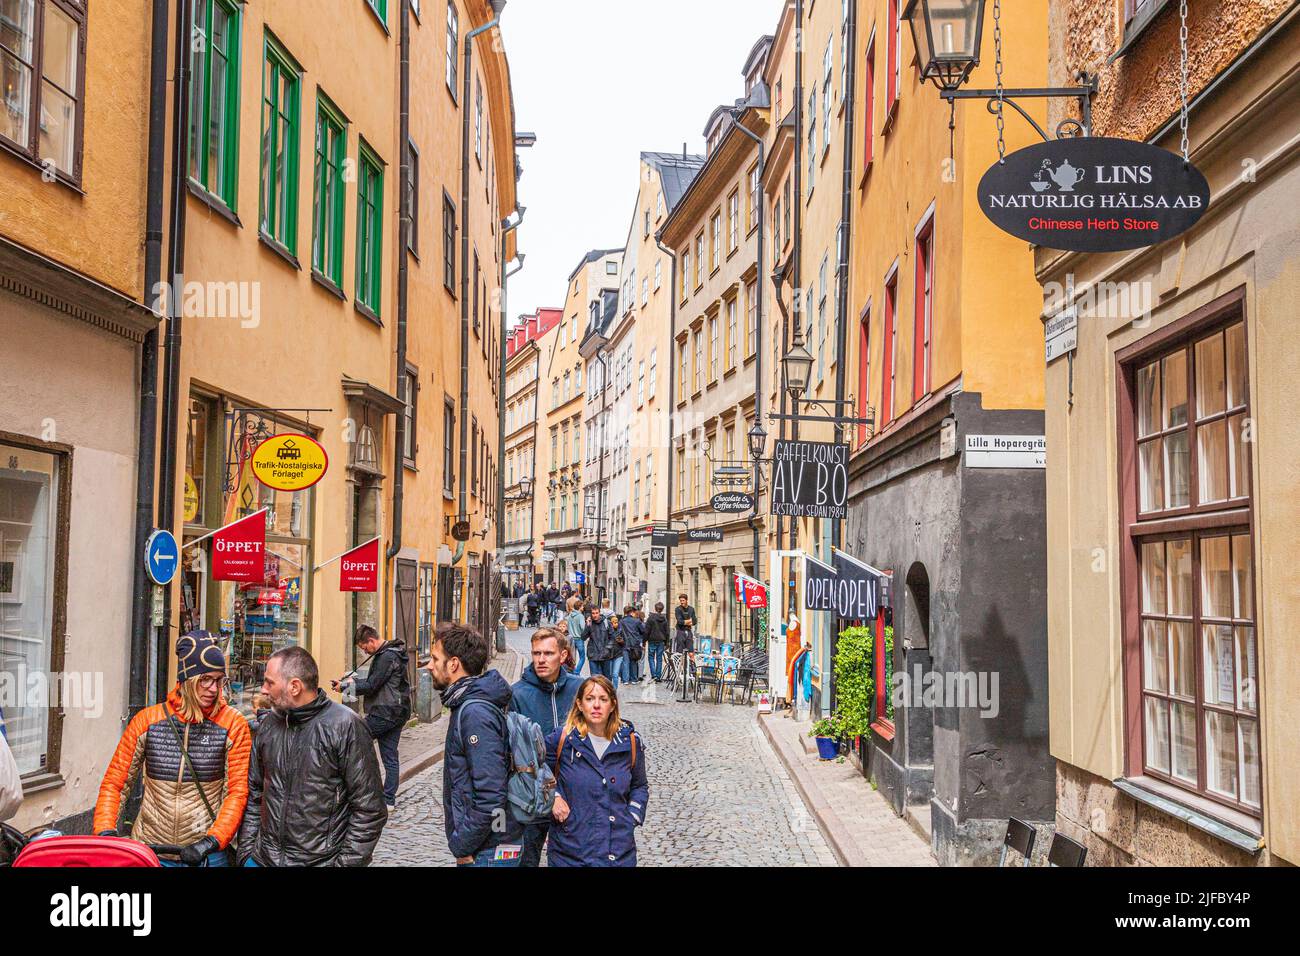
(403, 276)
(672, 418)
(758, 327)
(797, 299)
(842, 276)
(501, 419)
(147, 434)
(462, 513)
(175, 275)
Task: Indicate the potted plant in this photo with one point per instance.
(827, 732)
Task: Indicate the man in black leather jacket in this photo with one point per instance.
(314, 796)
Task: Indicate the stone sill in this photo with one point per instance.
(1187, 807)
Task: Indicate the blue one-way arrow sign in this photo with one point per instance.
(162, 556)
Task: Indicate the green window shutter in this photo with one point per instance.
(214, 99)
(370, 224)
(328, 194)
(281, 102)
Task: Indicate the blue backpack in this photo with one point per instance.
(530, 786)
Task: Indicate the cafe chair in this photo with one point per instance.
(1066, 852)
(709, 674)
(1020, 837)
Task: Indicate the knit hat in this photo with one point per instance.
(198, 653)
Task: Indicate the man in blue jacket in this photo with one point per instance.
(544, 695)
(481, 831)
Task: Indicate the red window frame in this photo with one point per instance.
(869, 104)
(923, 319)
(889, 356)
(1233, 517)
(893, 56)
(864, 370)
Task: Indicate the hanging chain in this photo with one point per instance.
(1182, 44)
(997, 67)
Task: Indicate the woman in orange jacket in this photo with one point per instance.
(194, 750)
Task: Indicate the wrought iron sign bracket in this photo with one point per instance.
(246, 427)
(1066, 128)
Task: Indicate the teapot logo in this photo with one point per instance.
(1066, 176)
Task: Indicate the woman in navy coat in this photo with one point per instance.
(601, 789)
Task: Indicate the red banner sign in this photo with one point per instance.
(239, 550)
(271, 596)
(359, 568)
(751, 593)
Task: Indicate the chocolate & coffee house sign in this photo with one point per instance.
(1094, 194)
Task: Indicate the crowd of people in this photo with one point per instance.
(548, 763)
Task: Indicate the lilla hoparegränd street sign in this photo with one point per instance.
(1094, 194)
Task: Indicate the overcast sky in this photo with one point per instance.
(600, 81)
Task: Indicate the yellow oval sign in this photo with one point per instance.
(191, 499)
(289, 462)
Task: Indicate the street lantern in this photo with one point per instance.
(525, 488)
(757, 441)
(798, 364)
(947, 38)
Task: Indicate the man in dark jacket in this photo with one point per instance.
(386, 690)
(602, 652)
(533, 602)
(684, 639)
(314, 796)
(656, 637)
(544, 695)
(476, 756)
(634, 635)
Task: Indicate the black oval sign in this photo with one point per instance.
(732, 502)
(1094, 194)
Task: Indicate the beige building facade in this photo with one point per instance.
(1171, 483)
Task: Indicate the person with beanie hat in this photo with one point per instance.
(193, 751)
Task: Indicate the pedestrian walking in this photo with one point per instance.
(634, 633)
(193, 751)
(545, 695)
(656, 637)
(533, 602)
(601, 789)
(616, 635)
(481, 831)
(314, 794)
(386, 691)
(601, 649)
(684, 637)
(577, 631)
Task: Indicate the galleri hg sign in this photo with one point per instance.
(810, 479)
(1094, 194)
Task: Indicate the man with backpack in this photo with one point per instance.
(477, 757)
(545, 696)
(386, 690)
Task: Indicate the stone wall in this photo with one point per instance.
(1120, 831)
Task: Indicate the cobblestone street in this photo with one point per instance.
(718, 795)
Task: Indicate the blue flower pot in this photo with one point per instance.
(827, 749)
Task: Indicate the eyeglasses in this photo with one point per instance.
(211, 681)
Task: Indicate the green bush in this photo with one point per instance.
(854, 680)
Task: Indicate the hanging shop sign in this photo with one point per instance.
(1006, 451)
(810, 479)
(818, 585)
(657, 554)
(1094, 194)
(359, 569)
(705, 534)
(749, 592)
(732, 502)
(289, 462)
(856, 587)
(239, 550)
(664, 539)
(271, 596)
(191, 498)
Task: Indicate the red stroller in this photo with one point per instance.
(77, 851)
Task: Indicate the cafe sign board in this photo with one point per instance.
(1094, 194)
(289, 462)
(810, 479)
(732, 502)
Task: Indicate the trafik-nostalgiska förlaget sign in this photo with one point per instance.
(1094, 194)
